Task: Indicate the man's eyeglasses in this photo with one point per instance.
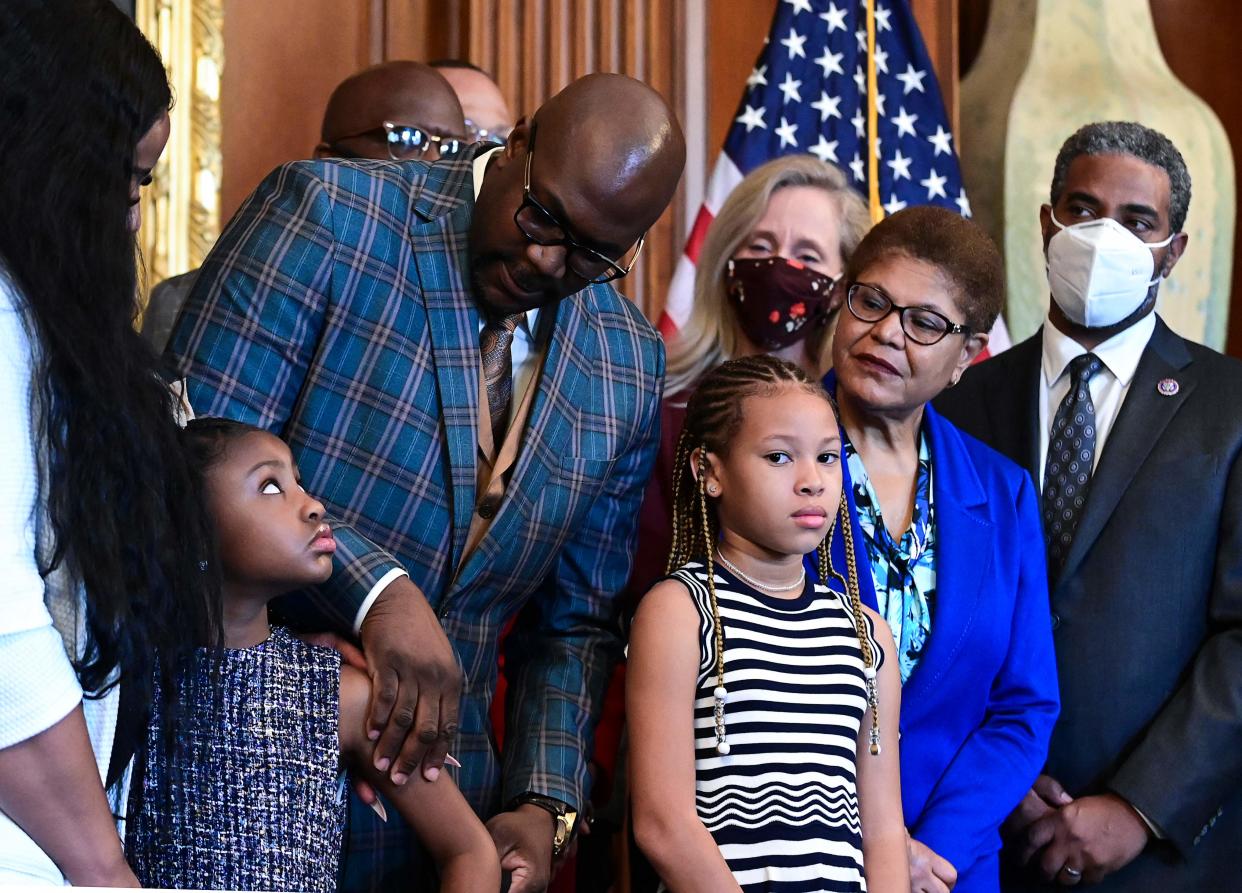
(405, 141)
(540, 226)
(477, 134)
(921, 325)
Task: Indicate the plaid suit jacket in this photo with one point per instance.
(336, 312)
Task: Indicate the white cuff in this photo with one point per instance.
(1151, 826)
(379, 587)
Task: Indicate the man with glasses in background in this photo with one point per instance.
(478, 408)
(488, 118)
(395, 111)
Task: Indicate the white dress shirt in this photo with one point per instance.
(1120, 355)
(525, 360)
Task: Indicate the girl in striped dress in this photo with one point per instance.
(762, 711)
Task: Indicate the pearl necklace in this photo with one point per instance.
(759, 584)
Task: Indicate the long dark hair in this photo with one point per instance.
(79, 87)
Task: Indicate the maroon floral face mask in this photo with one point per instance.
(775, 298)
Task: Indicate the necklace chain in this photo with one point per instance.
(759, 584)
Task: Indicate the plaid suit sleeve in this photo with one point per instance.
(248, 335)
(561, 653)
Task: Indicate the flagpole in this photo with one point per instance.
(873, 160)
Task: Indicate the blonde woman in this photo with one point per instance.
(764, 273)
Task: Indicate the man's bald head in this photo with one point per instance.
(604, 155)
(407, 93)
(621, 135)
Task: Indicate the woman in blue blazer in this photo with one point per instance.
(950, 531)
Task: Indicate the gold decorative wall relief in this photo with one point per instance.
(181, 209)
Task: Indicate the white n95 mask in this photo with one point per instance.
(1100, 272)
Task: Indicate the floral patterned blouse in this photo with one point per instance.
(904, 570)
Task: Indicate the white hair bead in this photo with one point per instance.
(722, 748)
(720, 693)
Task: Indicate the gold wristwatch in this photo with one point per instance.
(566, 818)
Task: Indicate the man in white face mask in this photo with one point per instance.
(1134, 436)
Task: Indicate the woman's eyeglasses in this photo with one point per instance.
(921, 325)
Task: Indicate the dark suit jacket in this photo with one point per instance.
(1147, 614)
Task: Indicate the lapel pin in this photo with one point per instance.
(1168, 387)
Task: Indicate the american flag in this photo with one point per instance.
(808, 92)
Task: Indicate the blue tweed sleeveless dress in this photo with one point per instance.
(254, 802)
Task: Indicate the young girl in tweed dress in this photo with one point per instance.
(762, 710)
(251, 794)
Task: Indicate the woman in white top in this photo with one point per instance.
(100, 535)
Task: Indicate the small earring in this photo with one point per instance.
(712, 490)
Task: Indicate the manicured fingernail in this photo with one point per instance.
(382, 764)
(431, 774)
(374, 734)
(399, 778)
(451, 760)
(380, 811)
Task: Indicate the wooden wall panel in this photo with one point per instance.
(283, 58)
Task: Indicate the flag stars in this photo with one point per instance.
(905, 122)
(835, 18)
(790, 89)
(825, 150)
(859, 122)
(758, 77)
(794, 43)
(911, 79)
(941, 140)
(862, 40)
(935, 185)
(799, 5)
(881, 60)
(882, 22)
(752, 117)
(856, 166)
(893, 205)
(900, 165)
(787, 133)
(963, 203)
(860, 79)
(830, 62)
(828, 106)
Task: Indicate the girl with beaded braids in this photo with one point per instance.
(762, 708)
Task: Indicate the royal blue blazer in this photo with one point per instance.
(978, 710)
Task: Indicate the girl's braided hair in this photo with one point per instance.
(713, 418)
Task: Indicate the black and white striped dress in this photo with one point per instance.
(783, 805)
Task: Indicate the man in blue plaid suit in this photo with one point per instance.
(342, 309)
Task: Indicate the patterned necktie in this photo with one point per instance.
(495, 342)
(1071, 454)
